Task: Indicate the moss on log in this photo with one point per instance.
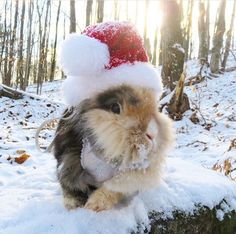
(202, 222)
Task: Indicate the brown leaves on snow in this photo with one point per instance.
(21, 159)
(226, 167)
(232, 145)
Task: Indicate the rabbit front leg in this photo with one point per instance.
(103, 199)
(72, 200)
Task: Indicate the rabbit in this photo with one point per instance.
(111, 146)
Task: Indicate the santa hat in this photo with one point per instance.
(103, 56)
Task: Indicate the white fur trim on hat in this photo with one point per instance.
(78, 88)
(81, 55)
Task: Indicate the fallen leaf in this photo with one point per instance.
(20, 151)
(208, 126)
(227, 166)
(216, 167)
(227, 125)
(232, 145)
(219, 114)
(217, 104)
(21, 159)
(194, 118)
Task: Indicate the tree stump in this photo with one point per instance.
(173, 72)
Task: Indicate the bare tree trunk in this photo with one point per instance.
(218, 38)
(20, 68)
(145, 18)
(127, 10)
(229, 38)
(233, 40)
(116, 12)
(3, 42)
(171, 30)
(53, 60)
(208, 26)
(202, 32)
(35, 64)
(29, 46)
(42, 49)
(154, 56)
(173, 66)
(188, 28)
(181, 9)
(6, 45)
(11, 58)
(100, 11)
(172, 54)
(146, 39)
(89, 11)
(136, 11)
(47, 35)
(72, 16)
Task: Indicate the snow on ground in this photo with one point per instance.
(30, 196)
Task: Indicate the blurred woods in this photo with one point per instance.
(30, 32)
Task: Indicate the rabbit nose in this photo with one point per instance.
(151, 131)
(149, 136)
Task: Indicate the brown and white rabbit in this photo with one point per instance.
(111, 146)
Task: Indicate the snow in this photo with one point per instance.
(141, 162)
(30, 196)
(179, 47)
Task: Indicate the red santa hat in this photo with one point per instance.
(103, 56)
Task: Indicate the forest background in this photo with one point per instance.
(31, 32)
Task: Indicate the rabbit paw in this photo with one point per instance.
(102, 199)
(72, 202)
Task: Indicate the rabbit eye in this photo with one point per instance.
(115, 108)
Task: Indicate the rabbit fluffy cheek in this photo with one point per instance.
(124, 141)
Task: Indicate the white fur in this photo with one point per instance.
(81, 55)
(95, 166)
(77, 88)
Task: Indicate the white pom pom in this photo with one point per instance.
(81, 55)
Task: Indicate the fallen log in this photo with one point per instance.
(6, 91)
(202, 221)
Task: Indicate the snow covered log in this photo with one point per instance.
(9, 92)
(202, 221)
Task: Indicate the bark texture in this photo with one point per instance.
(203, 28)
(229, 38)
(72, 16)
(218, 38)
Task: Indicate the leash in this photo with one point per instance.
(42, 126)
